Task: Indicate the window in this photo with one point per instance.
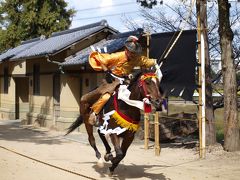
(6, 80)
(36, 79)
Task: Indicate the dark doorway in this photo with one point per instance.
(21, 95)
(56, 97)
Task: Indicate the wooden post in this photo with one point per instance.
(146, 115)
(146, 130)
(157, 144)
(201, 80)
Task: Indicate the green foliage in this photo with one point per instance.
(219, 135)
(26, 19)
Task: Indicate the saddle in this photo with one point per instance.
(107, 90)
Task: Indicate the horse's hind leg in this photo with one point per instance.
(91, 139)
(84, 111)
(108, 156)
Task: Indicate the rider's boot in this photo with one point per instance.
(92, 118)
(96, 108)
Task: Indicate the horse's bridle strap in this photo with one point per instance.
(143, 84)
(148, 75)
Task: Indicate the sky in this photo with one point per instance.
(114, 11)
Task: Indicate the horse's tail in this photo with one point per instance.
(75, 124)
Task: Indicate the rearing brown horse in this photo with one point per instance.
(124, 116)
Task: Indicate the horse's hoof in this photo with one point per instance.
(100, 163)
(108, 157)
(110, 173)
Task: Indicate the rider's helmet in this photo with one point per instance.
(132, 44)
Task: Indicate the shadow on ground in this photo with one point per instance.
(132, 171)
(12, 131)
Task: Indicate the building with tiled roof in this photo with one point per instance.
(33, 87)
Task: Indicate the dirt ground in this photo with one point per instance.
(28, 153)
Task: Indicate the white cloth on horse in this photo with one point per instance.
(124, 93)
(104, 128)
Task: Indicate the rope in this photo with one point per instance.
(179, 34)
(42, 162)
(177, 118)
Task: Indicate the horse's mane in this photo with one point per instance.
(137, 74)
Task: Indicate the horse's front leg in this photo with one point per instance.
(119, 154)
(127, 140)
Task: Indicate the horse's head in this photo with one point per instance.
(148, 87)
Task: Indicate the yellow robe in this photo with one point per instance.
(118, 62)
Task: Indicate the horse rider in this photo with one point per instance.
(120, 64)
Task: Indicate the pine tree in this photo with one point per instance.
(26, 19)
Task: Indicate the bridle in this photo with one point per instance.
(142, 83)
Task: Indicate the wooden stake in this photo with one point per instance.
(146, 115)
(146, 130)
(157, 144)
(201, 80)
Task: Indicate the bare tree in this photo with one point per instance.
(165, 18)
(231, 121)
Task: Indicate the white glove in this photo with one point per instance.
(158, 71)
